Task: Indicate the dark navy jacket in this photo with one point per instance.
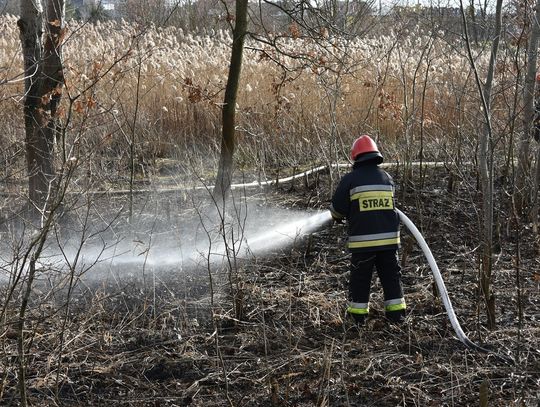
(365, 197)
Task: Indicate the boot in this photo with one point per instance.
(396, 317)
(359, 319)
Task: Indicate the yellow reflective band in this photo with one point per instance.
(373, 243)
(372, 194)
(395, 307)
(358, 311)
(374, 200)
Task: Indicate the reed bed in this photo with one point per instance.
(160, 90)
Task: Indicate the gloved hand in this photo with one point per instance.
(338, 220)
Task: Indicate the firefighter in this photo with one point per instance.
(365, 198)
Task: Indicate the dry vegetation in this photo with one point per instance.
(269, 331)
(409, 87)
(142, 335)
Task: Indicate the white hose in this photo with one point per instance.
(440, 285)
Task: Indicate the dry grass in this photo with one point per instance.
(306, 113)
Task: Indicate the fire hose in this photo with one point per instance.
(443, 292)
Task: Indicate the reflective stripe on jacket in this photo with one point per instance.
(365, 197)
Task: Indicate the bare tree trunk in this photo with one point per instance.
(43, 90)
(53, 71)
(486, 166)
(223, 180)
(524, 165)
(472, 12)
(31, 29)
(485, 163)
(536, 200)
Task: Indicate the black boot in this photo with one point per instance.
(396, 317)
(359, 319)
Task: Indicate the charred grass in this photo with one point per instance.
(274, 331)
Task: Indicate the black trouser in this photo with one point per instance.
(389, 272)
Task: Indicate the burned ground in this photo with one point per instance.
(273, 331)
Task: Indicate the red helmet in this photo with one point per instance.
(364, 149)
